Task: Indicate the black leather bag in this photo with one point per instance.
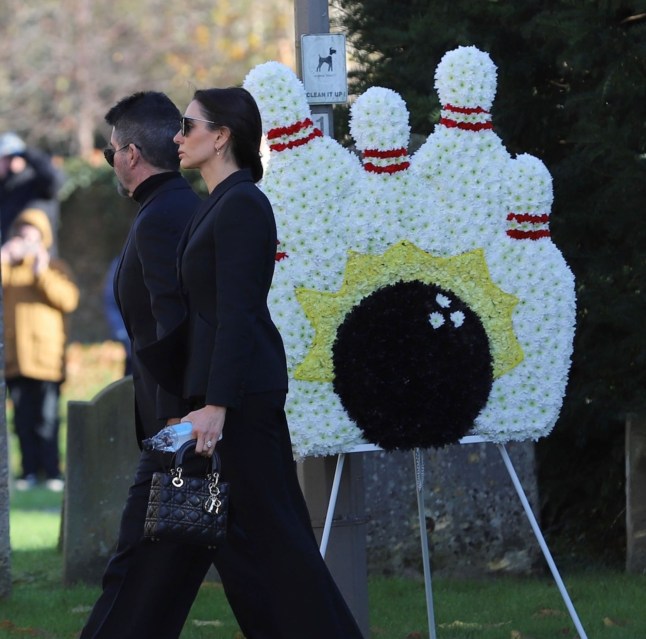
(188, 510)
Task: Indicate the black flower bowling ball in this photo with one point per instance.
(412, 366)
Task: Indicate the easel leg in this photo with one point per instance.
(541, 540)
(423, 534)
(334, 494)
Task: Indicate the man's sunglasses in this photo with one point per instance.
(109, 153)
(186, 124)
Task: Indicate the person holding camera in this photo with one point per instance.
(38, 292)
(28, 178)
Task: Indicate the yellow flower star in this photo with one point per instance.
(466, 275)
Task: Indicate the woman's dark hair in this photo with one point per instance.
(236, 109)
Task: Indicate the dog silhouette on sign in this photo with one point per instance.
(326, 60)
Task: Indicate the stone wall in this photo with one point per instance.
(475, 521)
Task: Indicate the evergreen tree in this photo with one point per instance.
(571, 90)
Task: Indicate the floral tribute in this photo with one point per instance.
(420, 298)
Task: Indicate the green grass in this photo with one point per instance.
(609, 603)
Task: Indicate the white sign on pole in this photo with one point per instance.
(323, 68)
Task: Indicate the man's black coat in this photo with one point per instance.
(147, 290)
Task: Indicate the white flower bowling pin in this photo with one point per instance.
(523, 261)
(461, 163)
(379, 211)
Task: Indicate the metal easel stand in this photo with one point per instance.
(419, 475)
(419, 481)
(423, 535)
(334, 493)
(541, 540)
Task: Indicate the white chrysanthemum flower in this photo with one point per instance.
(443, 300)
(436, 319)
(457, 318)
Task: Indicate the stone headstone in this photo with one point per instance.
(102, 456)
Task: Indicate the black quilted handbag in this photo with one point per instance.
(188, 510)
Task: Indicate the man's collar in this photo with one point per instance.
(141, 193)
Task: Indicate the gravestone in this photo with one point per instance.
(102, 456)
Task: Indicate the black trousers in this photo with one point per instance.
(36, 419)
(271, 569)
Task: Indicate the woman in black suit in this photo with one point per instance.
(235, 377)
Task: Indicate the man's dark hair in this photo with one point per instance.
(149, 120)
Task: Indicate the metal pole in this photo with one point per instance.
(310, 16)
(541, 540)
(423, 535)
(334, 494)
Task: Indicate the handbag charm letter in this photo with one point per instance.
(212, 503)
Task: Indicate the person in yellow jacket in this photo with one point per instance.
(39, 292)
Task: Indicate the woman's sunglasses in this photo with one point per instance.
(186, 124)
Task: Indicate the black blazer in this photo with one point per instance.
(147, 290)
(228, 345)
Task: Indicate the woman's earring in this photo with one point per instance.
(217, 151)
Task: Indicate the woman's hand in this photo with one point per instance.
(208, 423)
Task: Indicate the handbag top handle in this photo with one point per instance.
(190, 446)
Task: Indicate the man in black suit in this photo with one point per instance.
(146, 164)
